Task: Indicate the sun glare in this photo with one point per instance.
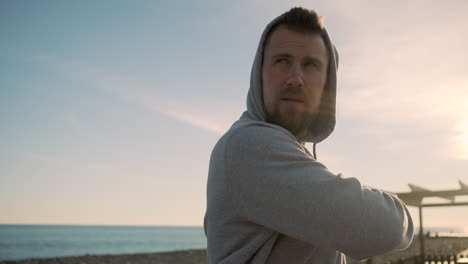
(462, 140)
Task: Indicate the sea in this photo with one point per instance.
(45, 241)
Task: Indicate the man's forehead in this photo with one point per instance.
(284, 39)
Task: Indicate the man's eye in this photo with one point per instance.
(312, 64)
(284, 61)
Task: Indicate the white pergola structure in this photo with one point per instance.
(416, 196)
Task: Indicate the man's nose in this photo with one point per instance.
(295, 76)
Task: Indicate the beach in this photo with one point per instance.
(435, 246)
(196, 256)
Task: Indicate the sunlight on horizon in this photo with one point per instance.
(462, 140)
(110, 118)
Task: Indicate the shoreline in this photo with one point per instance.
(435, 246)
(189, 256)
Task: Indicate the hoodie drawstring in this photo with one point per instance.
(315, 151)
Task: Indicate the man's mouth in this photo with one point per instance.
(292, 99)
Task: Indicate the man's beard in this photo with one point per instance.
(297, 122)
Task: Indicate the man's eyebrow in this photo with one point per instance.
(307, 58)
(282, 55)
(314, 59)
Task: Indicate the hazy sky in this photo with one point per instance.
(109, 109)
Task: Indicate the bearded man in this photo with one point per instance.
(268, 199)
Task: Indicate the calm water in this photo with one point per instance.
(42, 241)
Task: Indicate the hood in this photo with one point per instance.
(324, 125)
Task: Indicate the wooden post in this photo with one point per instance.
(422, 252)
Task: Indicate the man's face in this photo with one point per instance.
(294, 74)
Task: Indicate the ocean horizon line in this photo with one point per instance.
(20, 241)
(97, 225)
(448, 229)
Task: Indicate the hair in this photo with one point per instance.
(300, 20)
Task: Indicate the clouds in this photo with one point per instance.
(402, 72)
(406, 69)
(461, 139)
(210, 117)
(214, 116)
(139, 89)
(402, 69)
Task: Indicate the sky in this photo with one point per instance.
(109, 110)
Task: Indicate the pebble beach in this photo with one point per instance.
(434, 246)
(197, 256)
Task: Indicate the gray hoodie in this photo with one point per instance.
(270, 201)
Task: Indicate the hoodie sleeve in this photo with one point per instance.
(274, 183)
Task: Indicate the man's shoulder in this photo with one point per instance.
(253, 137)
(252, 132)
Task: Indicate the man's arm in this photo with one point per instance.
(274, 183)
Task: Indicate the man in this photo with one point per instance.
(268, 199)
